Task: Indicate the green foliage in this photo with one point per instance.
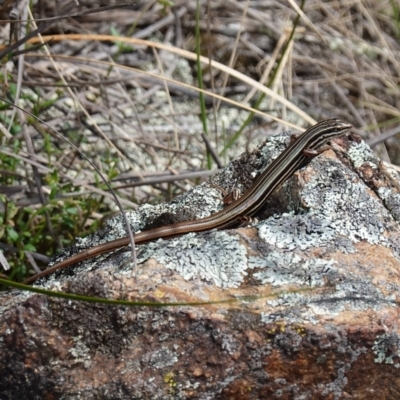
(167, 4)
(36, 227)
(27, 228)
(41, 105)
(122, 46)
(396, 16)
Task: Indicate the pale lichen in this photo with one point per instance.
(216, 257)
(387, 349)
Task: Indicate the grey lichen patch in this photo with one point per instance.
(216, 257)
(230, 344)
(360, 153)
(361, 156)
(355, 294)
(271, 149)
(345, 204)
(387, 349)
(161, 358)
(290, 231)
(80, 352)
(392, 201)
(336, 205)
(294, 315)
(290, 307)
(274, 146)
(360, 295)
(204, 199)
(228, 180)
(336, 387)
(9, 303)
(283, 268)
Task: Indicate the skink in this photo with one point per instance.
(291, 159)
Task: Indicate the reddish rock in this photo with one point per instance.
(314, 290)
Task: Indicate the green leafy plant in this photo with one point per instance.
(32, 226)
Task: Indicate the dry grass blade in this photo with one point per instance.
(192, 56)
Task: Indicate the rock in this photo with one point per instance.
(308, 298)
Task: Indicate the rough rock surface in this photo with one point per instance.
(313, 286)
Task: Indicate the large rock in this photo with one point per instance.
(313, 287)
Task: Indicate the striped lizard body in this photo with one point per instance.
(290, 160)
